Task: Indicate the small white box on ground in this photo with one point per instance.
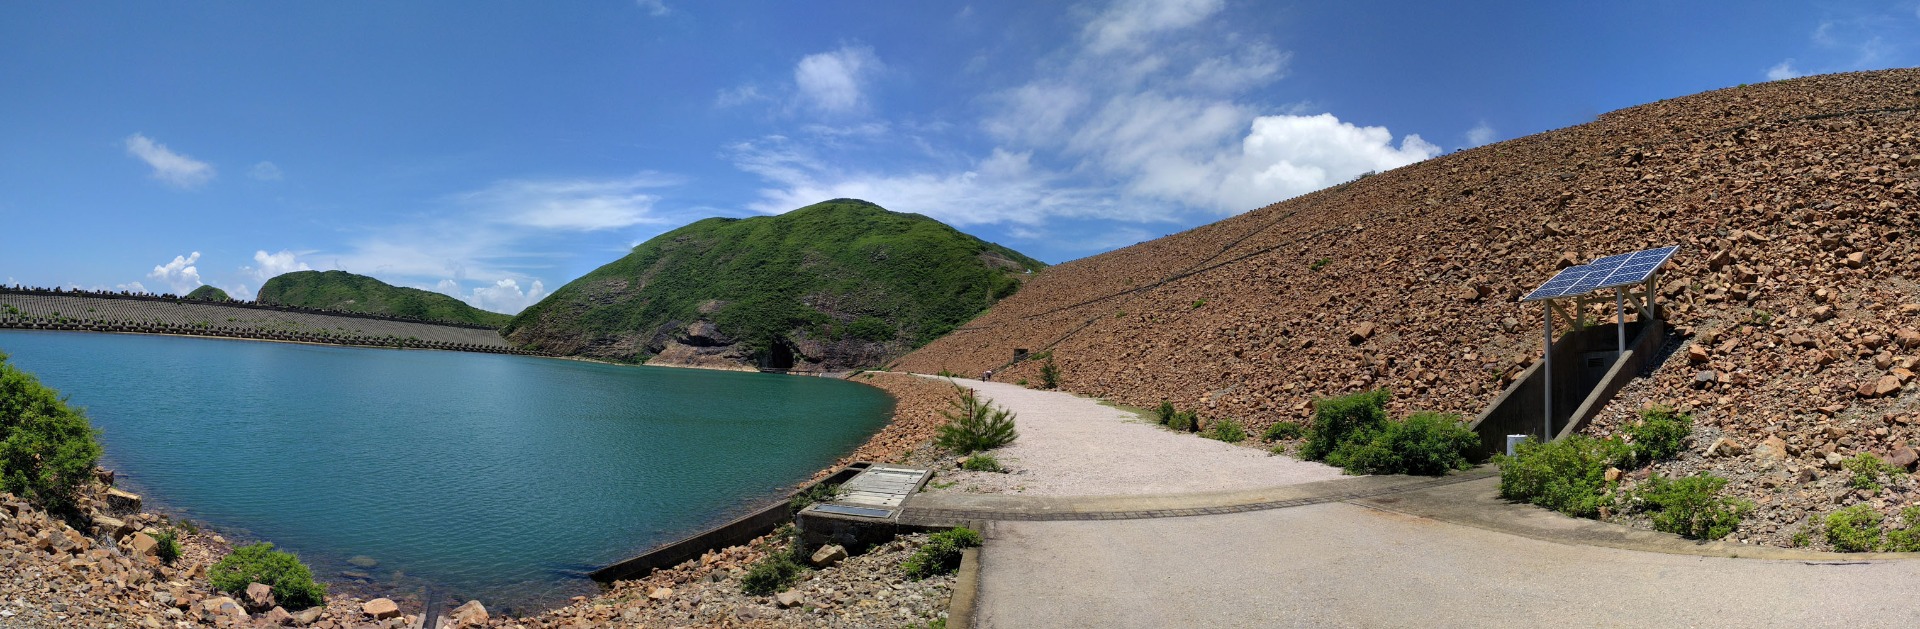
(1514, 441)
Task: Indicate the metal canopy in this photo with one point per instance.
(1608, 272)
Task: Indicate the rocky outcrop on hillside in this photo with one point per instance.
(1795, 291)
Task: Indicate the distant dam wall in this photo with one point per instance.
(149, 314)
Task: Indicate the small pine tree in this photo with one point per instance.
(974, 425)
(1049, 375)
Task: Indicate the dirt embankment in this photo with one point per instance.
(1797, 288)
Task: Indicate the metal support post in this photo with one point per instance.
(1620, 316)
(1546, 432)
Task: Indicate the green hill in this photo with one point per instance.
(839, 284)
(340, 290)
(208, 293)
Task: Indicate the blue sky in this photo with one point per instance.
(496, 150)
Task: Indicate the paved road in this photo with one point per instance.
(1342, 565)
(1074, 446)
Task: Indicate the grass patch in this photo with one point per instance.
(823, 492)
(941, 554)
(167, 547)
(1319, 264)
(780, 569)
(1227, 430)
(292, 581)
(1164, 412)
(1568, 476)
(1661, 433)
(974, 425)
(1906, 538)
(1867, 470)
(1283, 430)
(1184, 421)
(982, 463)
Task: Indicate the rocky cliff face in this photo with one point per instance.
(1794, 202)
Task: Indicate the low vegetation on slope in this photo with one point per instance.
(844, 283)
(47, 449)
(208, 293)
(1793, 202)
(340, 290)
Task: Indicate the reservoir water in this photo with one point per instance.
(501, 478)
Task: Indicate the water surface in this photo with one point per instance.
(486, 476)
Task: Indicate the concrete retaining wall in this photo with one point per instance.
(1578, 392)
(739, 531)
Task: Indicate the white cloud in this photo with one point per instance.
(172, 168)
(656, 8)
(738, 95)
(1480, 134)
(131, 287)
(266, 266)
(265, 171)
(1782, 71)
(1129, 23)
(571, 204)
(1256, 64)
(505, 296)
(832, 81)
(180, 276)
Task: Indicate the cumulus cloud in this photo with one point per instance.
(131, 287)
(266, 266)
(1782, 71)
(180, 276)
(1480, 134)
(833, 81)
(506, 296)
(264, 171)
(174, 169)
(581, 204)
(738, 95)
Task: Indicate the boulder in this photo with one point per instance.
(789, 599)
(1697, 353)
(308, 616)
(828, 555)
(381, 609)
(1773, 448)
(122, 501)
(472, 614)
(278, 617)
(660, 594)
(144, 545)
(115, 528)
(260, 597)
(1903, 457)
(1362, 332)
(1724, 447)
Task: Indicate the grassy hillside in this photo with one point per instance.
(208, 293)
(340, 290)
(1794, 292)
(840, 282)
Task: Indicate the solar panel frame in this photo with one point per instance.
(1608, 272)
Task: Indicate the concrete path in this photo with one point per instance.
(1074, 446)
(1343, 565)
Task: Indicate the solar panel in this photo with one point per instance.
(1607, 272)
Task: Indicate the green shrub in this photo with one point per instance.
(1430, 444)
(1335, 419)
(1905, 539)
(1661, 433)
(1283, 430)
(780, 569)
(1692, 507)
(291, 581)
(1319, 264)
(1049, 375)
(974, 425)
(1855, 529)
(1185, 421)
(1867, 470)
(47, 449)
(1568, 476)
(167, 546)
(941, 554)
(1226, 429)
(1164, 412)
(823, 492)
(982, 463)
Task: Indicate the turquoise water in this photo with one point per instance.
(501, 478)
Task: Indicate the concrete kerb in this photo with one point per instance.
(950, 509)
(966, 582)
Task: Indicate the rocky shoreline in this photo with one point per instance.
(108, 573)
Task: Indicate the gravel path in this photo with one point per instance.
(1075, 446)
(1340, 565)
